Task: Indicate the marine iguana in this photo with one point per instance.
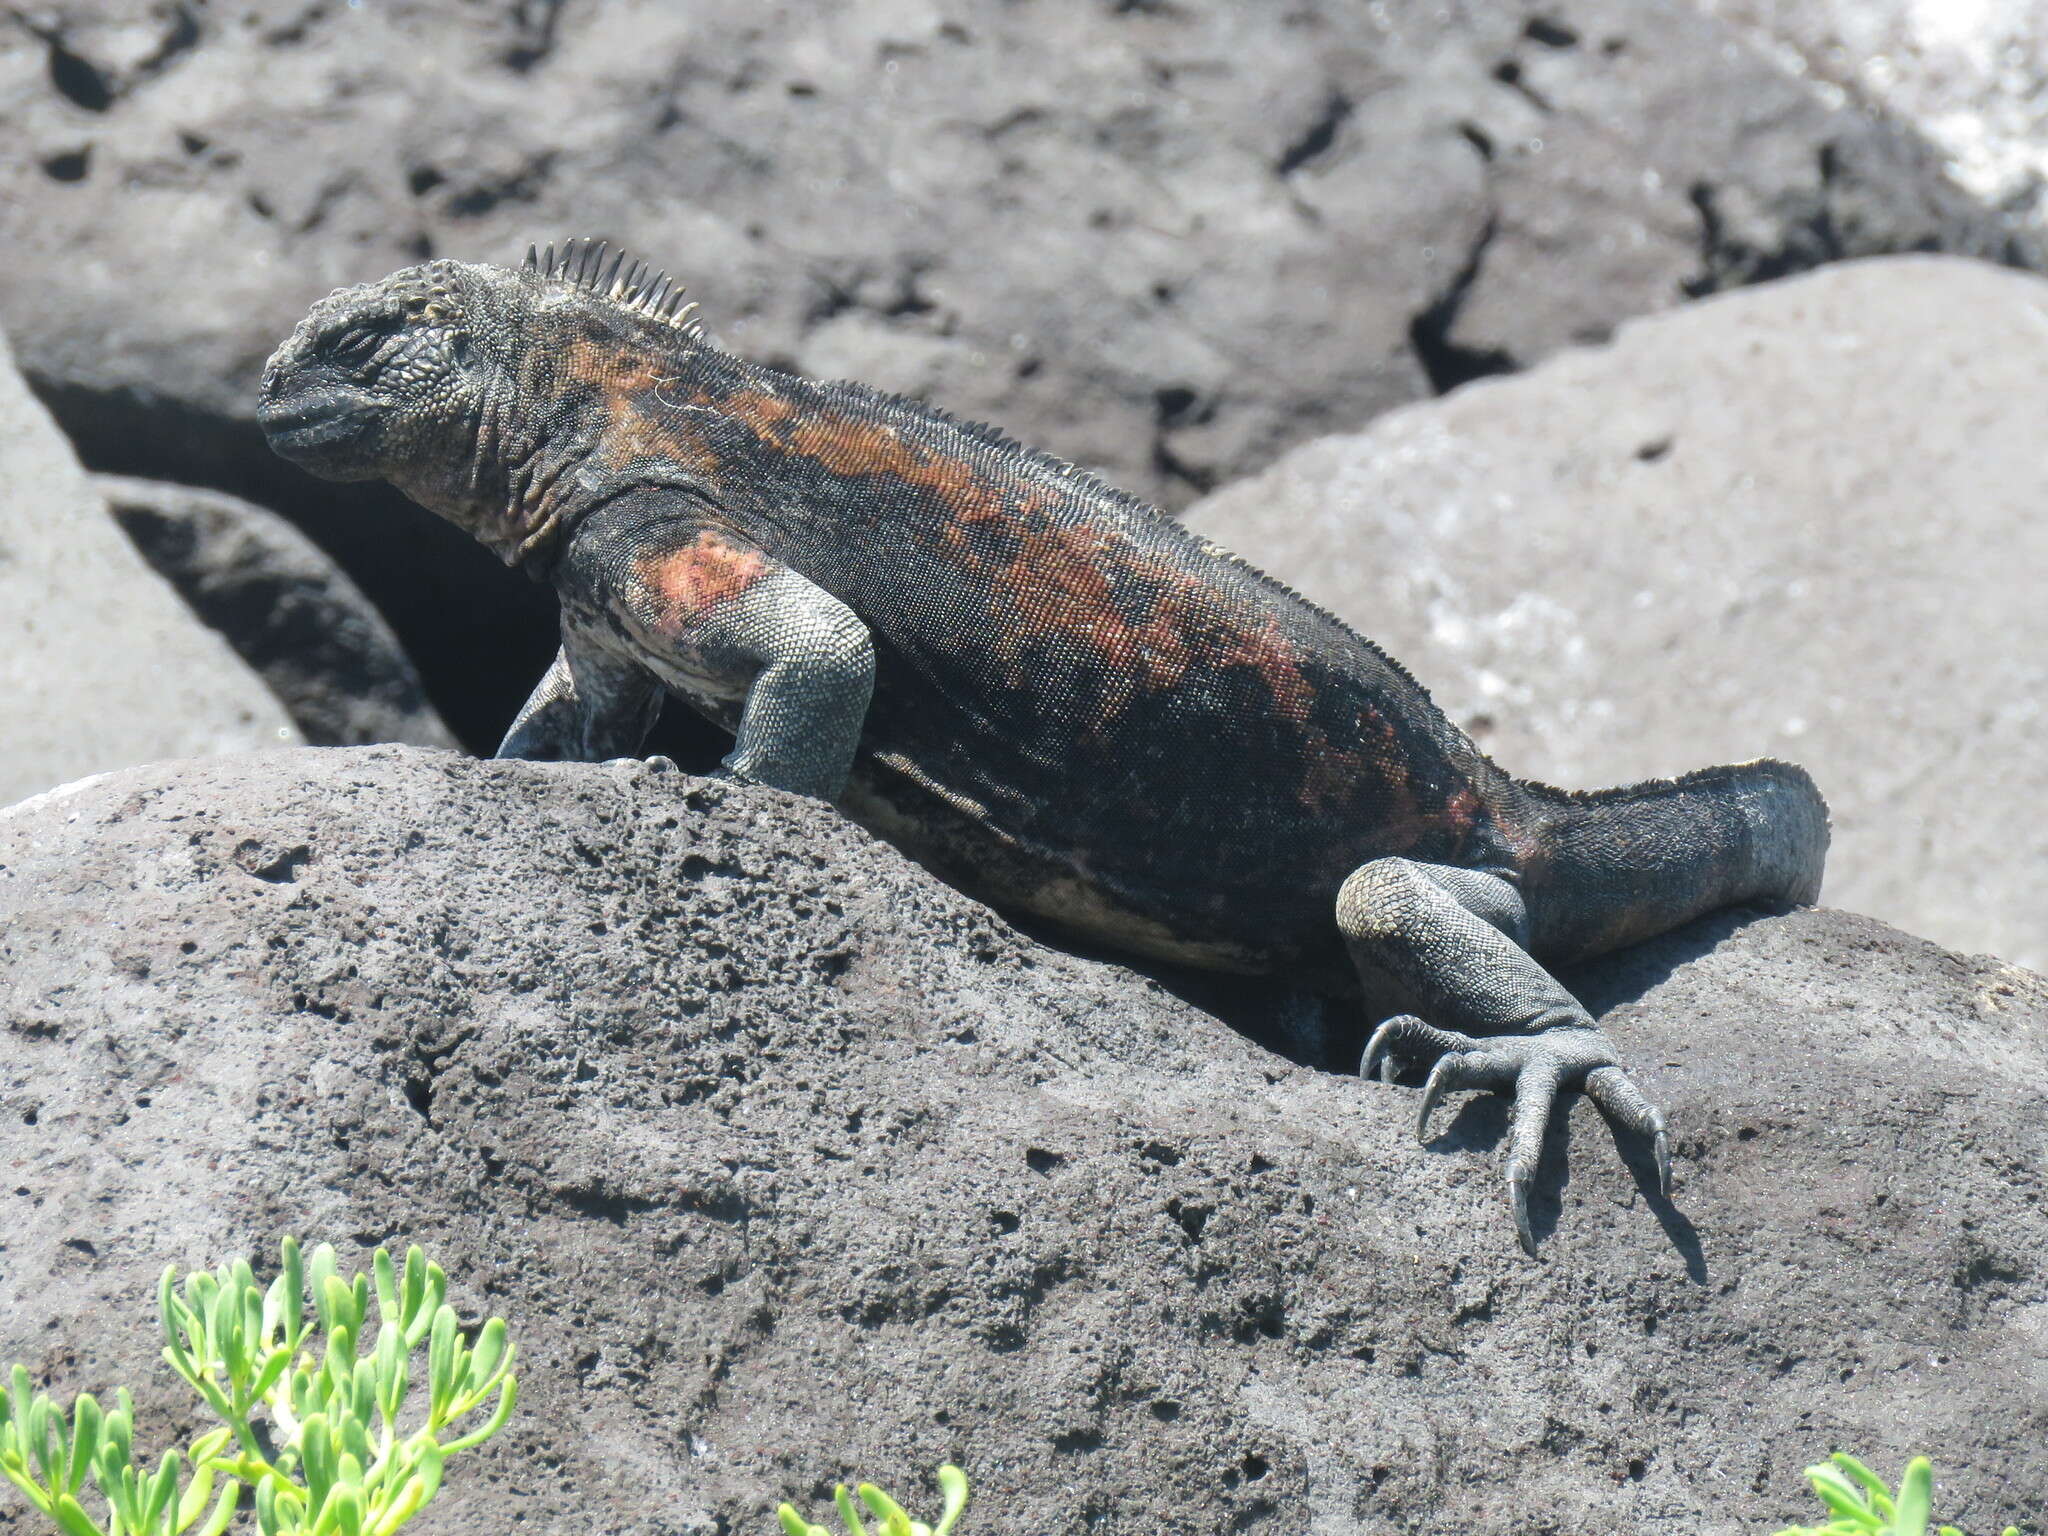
(1054, 696)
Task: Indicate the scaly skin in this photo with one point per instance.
(1064, 702)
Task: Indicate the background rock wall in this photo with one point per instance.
(1167, 242)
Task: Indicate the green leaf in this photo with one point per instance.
(443, 1360)
(85, 1439)
(1916, 1498)
(426, 1471)
(71, 1515)
(348, 1508)
(1849, 1502)
(795, 1524)
(425, 1285)
(490, 1354)
(192, 1502)
(117, 1438)
(19, 1400)
(894, 1521)
(953, 1484)
(1860, 1473)
(158, 1493)
(843, 1502)
(166, 1310)
(339, 1316)
(267, 1518)
(45, 1440)
(421, 1486)
(508, 1397)
(223, 1510)
(317, 1455)
(391, 1371)
(15, 1470)
(318, 1273)
(388, 1308)
(275, 1364)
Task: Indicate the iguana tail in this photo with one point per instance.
(1618, 865)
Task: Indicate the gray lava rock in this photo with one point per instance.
(1801, 521)
(786, 1162)
(287, 609)
(1163, 241)
(100, 665)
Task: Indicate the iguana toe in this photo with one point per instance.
(1534, 1067)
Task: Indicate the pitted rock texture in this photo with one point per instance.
(101, 665)
(1164, 241)
(1799, 521)
(287, 609)
(787, 1163)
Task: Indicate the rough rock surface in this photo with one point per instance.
(1166, 241)
(101, 665)
(1967, 75)
(1801, 521)
(287, 609)
(787, 1162)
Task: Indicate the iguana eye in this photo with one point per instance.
(357, 347)
(460, 350)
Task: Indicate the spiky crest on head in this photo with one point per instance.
(635, 286)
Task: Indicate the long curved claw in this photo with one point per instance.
(1612, 1090)
(1407, 1029)
(1536, 1088)
(1536, 1068)
(1472, 1065)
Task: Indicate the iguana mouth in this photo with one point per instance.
(309, 429)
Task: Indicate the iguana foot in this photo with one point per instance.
(1533, 1068)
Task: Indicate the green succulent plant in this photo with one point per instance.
(1864, 1507)
(309, 1426)
(952, 1483)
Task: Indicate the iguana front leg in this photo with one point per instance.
(656, 594)
(589, 707)
(1449, 941)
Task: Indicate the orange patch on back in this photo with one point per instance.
(638, 424)
(689, 581)
(1059, 589)
(849, 446)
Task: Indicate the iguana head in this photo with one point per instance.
(445, 379)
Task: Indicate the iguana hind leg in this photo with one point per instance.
(1448, 942)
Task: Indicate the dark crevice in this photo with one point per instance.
(77, 79)
(1509, 74)
(520, 186)
(1448, 363)
(1175, 406)
(1478, 138)
(601, 1204)
(419, 1093)
(182, 37)
(535, 22)
(69, 165)
(1551, 34)
(1321, 134)
(1729, 261)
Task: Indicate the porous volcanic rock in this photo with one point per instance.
(1802, 521)
(286, 608)
(786, 1162)
(101, 665)
(1165, 241)
(1967, 76)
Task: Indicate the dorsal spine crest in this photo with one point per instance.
(581, 264)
